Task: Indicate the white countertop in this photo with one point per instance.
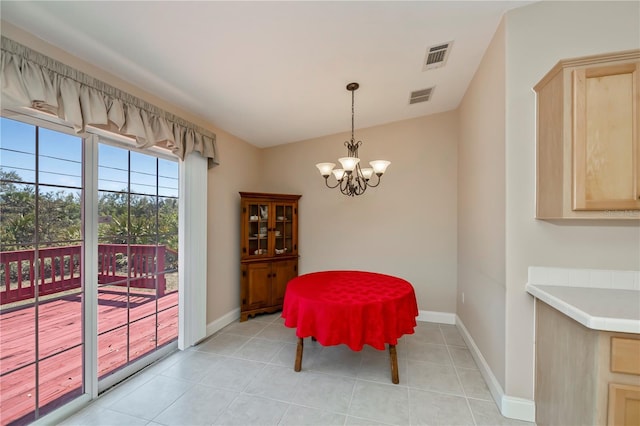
(606, 309)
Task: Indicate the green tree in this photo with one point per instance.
(17, 210)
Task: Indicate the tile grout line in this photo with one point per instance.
(285, 345)
(464, 391)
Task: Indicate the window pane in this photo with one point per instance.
(60, 214)
(18, 337)
(142, 338)
(17, 151)
(142, 297)
(60, 318)
(143, 219)
(60, 379)
(18, 396)
(112, 350)
(167, 178)
(113, 165)
(143, 174)
(17, 213)
(112, 306)
(113, 213)
(168, 318)
(60, 159)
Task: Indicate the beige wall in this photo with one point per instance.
(481, 207)
(537, 37)
(405, 227)
(239, 170)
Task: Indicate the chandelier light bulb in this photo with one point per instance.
(349, 163)
(338, 173)
(379, 166)
(325, 168)
(367, 172)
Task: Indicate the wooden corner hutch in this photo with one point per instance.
(268, 250)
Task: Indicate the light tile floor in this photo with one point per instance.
(243, 375)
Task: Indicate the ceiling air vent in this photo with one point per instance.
(437, 56)
(422, 95)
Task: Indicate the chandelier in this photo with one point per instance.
(351, 179)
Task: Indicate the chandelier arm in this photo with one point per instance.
(326, 182)
(377, 182)
(362, 182)
(344, 185)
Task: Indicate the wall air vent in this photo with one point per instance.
(422, 95)
(437, 55)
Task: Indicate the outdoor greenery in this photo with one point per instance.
(59, 213)
(60, 218)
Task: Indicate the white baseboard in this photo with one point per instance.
(518, 408)
(509, 406)
(439, 317)
(222, 322)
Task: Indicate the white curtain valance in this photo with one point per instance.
(31, 79)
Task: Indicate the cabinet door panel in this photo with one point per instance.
(606, 138)
(624, 405)
(282, 273)
(255, 229)
(285, 229)
(257, 292)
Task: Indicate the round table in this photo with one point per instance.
(350, 307)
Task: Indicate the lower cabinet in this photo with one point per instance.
(263, 285)
(584, 376)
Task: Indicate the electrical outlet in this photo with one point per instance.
(463, 297)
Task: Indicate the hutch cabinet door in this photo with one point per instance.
(256, 285)
(255, 229)
(281, 273)
(285, 229)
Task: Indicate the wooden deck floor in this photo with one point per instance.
(60, 346)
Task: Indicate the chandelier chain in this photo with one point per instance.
(353, 93)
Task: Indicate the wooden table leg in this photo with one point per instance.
(393, 355)
(298, 364)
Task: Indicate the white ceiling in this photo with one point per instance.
(275, 72)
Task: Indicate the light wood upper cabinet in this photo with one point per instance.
(588, 141)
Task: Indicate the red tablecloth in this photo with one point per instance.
(350, 307)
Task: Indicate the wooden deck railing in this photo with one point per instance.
(59, 269)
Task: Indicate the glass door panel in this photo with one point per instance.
(41, 287)
(283, 229)
(139, 231)
(258, 229)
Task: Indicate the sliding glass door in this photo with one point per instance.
(60, 313)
